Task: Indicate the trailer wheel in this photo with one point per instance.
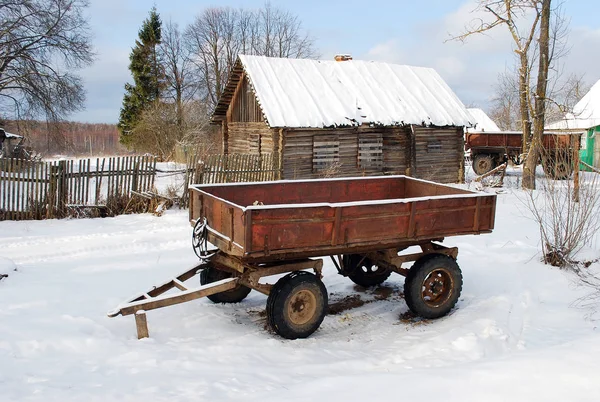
(560, 169)
(235, 295)
(483, 163)
(363, 272)
(297, 305)
(433, 285)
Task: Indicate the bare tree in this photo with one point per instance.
(535, 150)
(211, 41)
(218, 35)
(505, 103)
(527, 20)
(510, 13)
(281, 34)
(564, 96)
(179, 87)
(42, 43)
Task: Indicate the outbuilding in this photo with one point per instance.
(344, 118)
(585, 118)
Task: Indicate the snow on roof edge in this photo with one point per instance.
(302, 93)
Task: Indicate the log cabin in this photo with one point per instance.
(344, 118)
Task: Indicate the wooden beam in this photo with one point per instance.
(141, 324)
(170, 300)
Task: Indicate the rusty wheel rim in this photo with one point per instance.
(484, 165)
(302, 307)
(437, 287)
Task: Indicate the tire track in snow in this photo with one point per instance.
(114, 250)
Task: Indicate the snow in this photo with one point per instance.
(516, 334)
(313, 93)
(7, 266)
(482, 121)
(585, 115)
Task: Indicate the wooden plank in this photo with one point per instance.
(152, 172)
(141, 324)
(30, 194)
(11, 206)
(179, 285)
(18, 187)
(109, 179)
(3, 185)
(172, 299)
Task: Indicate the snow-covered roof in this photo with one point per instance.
(586, 113)
(482, 121)
(313, 93)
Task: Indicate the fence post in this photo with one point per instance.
(52, 189)
(136, 173)
(575, 141)
(199, 176)
(62, 193)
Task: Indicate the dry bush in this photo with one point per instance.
(159, 131)
(566, 225)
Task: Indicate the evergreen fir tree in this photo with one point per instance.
(148, 76)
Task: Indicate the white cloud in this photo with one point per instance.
(472, 68)
(583, 57)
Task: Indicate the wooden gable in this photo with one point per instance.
(245, 108)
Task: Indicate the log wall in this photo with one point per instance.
(439, 154)
(298, 156)
(249, 138)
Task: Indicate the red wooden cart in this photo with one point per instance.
(363, 224)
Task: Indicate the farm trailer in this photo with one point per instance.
(491, 149)
(363, 224)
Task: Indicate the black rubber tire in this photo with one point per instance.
(366, 274)
(305, 290)
(483, 163)
(445, 272)
(235, 295)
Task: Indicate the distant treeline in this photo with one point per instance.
(68, 138)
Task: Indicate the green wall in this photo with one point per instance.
(587, 147)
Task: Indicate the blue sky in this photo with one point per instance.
(406, 32)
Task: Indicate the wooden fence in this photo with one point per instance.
(39, 190)
(232, 168)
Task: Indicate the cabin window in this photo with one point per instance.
(326, 152)
(434, 146)
(370, 150)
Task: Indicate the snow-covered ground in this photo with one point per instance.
(516, 334)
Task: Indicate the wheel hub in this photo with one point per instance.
(302, 307)
(483, 165)
(437, 287)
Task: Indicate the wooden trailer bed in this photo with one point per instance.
(297, 219)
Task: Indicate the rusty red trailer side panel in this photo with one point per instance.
(298, 219)
(513, 140)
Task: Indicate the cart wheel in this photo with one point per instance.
(235, 295)
(363, 272)
(432, 286)
(561, 169)
(297, 305)
(482, 164)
